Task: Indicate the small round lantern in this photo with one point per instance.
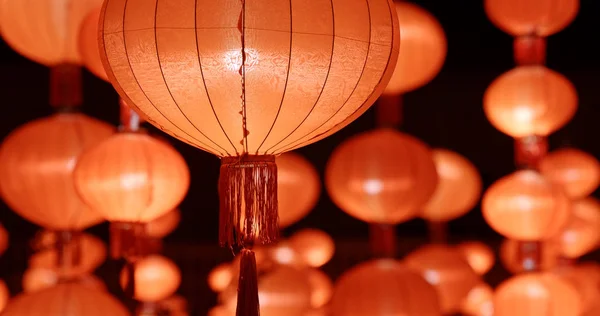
(156, 278)
(383, 287)
(68, 299)
(479, 255)
(446, 269)
(314, 246)
(322, 288)
(540, 293)
(36, 170)
(298, 188)
(530, 100)
(220, 277)
(576, 171)
(422, 52)
(479, 302)
(539, 18)
(381, 176)
(458, 189)
(581, 234)
(526, 206)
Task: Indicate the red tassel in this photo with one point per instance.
(247, 300)
(248, 201)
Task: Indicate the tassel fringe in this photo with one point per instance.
(247, 300)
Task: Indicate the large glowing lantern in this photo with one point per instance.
(68, 299)
(530, 100)
(447, 270)
(540, 18)
(45, 31)
(383, 287)
(581, 234)
(526, 206)
(422, 52)
(298, 188)
(381, 176)
(576, 171)
(458, 189)
(36, 170)
(539, 293)
(156, 278)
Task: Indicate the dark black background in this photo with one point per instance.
(446, 113)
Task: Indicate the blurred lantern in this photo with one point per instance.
(37, 279)
(381, 176)
(458, 189)
(282, 290)
(539, 18)
(164, 225)
(298, 188)
(422, 52)
(581, 234)
(537, 294)
(322, 288)
(479, 256)
(512, 261)
(92, 253)
(220, 277)
(68, 299)
(525, 206)
(36, 169)
(45, 31)
(88, 44)
(247, 93)
(284, 253)
(131, 179)
(577, 171)
(314, 246)
(530, 100)
(479, 302)
(156, 278)
(3, 239)
(447, 270)
(383, 287)
(586, 279)
(4, 295)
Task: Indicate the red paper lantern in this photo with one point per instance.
(298, 188)
(313, 246)
(422, 52)
(381, 176)
(36, 170)
(156, 278)
(540, 18)
(576, 171)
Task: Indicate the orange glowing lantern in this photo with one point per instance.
(530, 100)
(458, 189)
(37, 279)
(577, 171)
(526, 206)
(68, 299)
(45, 31)
(383, 287)
(298, 188)
(92, 254)
(3, 239)
(381, 176)
(36, 170)
(164, 225)
(479, 256)
(4, 295)
(314, 246)
(422, 52)
(539, 18)
(282, 290)
(220, 277)
(88, 44)
(511, 261)
(447, 270)
(322, 288)
(581, 234)
(479, 302)
(156, 278)
(539, 293)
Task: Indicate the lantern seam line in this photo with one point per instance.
(291, 145)
(245, 131)
(286, 80)
(373, 92)
(135, 77)
(204, 81)
(169, 89)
